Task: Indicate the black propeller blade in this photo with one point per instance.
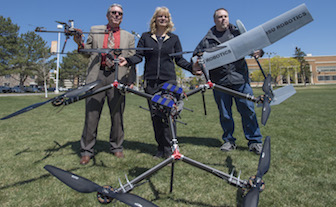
(26, 109)
(266, 111)
(84, 185)
(266, 108)
(132, 199)
(265, 157)
(81, 89)
(267, 86)
(252, 197)
(56, 100)
(75, 182)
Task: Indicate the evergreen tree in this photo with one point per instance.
(73, 67)
(304, 68)
(31, 49)
(9, 33)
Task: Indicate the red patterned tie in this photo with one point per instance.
(110, 40)
(110, 44)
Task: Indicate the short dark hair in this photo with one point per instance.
(214, 15)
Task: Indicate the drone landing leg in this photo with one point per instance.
(204, 105)
(172, 178)
(175, 149)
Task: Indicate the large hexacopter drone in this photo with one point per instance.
(168, 102)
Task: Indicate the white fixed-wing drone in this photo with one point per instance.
(257, 38)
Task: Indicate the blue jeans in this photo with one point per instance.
(246, 110)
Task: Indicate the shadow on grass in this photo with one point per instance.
(193, 203)
(101, 146)
(31, 180)
(206, 141)
(138, 171)
(239, 197)
(240, 148)
(200, 141)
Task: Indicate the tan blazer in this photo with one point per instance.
(126, 75)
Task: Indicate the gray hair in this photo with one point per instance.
(113, 5)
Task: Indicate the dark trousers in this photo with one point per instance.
(162, 132)
(94, 106)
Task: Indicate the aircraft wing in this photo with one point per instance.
(282, 94)
(257, 38)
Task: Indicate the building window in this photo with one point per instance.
(331, 68)
(8, 76)
(326, 78)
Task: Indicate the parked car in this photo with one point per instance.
(32, 89)
(62, 89)
(17, 89)
(5, 89)
(41, 88)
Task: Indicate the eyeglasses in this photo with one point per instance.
(116, 12)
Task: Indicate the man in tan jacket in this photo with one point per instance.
(102, 68)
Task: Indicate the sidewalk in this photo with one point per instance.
(26, 94)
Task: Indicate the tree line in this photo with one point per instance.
(285, 68)
(28, 54)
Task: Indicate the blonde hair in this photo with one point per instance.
(165, 10)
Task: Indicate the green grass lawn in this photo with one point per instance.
(303, 156)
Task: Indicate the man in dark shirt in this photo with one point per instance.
(234, 76)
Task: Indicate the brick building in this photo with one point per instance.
(323, 71)
(14, 80)
(322, 68)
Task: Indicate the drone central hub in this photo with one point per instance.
(168, 96)
(211, 85)
(115, 84)
(177, 155)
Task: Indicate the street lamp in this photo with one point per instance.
(269, 60)
(59, 26)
